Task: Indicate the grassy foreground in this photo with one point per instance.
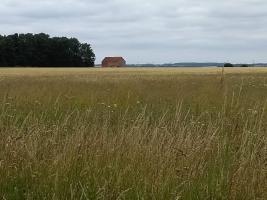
(133, 134)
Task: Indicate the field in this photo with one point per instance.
(133, 133)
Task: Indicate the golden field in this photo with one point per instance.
(133, 133)
(133, 71)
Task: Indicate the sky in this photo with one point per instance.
(149, 31)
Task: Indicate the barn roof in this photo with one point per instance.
(115, 59)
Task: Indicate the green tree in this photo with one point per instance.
(42, 51)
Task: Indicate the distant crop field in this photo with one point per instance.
(122, 71)
(133, 133)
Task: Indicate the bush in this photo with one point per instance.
(228, 65)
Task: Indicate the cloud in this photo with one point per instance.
(151, 30)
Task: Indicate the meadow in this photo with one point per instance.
(131, 133)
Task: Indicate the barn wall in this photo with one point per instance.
(113, 62)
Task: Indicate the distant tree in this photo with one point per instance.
(42, 51)
(2, 57)
(244, 65)
(228, 65)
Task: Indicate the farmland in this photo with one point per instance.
(154, 133)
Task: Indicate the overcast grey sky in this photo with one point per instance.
(149, 31)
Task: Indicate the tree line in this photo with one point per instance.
(41, 50)
(238, 65)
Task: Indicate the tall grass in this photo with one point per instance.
(122, 135)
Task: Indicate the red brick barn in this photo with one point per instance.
(113, 62)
